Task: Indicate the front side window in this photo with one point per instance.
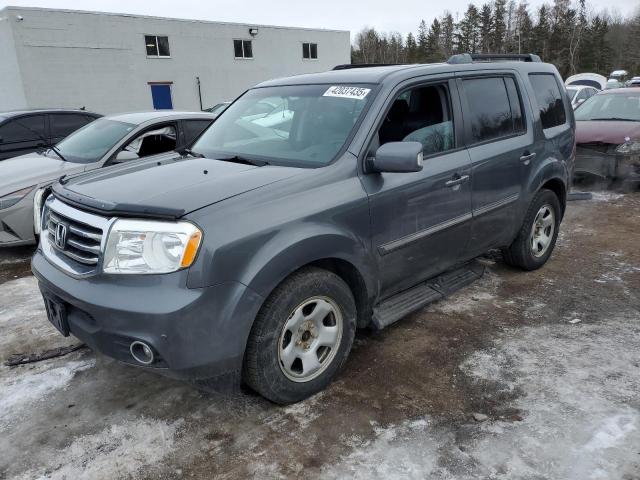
(613, 106)
(549, 99)
(491, 115)
(242, 49)
(23, 129)
(152, 142)
(310, 51)
(157, 46)
(91, 142)
(297, 125)
(422, 114)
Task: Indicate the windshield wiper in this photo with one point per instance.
(244, 160)
(614, 119)
(57, 152)
(188, 151)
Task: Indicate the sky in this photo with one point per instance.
(334, 14)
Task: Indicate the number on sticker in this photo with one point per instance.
(357, 93)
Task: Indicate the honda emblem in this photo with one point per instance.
(61, 236)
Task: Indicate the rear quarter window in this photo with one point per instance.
(491, 114)
(549, 99)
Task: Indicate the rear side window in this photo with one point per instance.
(193, 128)
(549, 99)
(491, 115)
(64, 124)
(23, 129)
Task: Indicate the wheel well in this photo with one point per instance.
(352, 277)
(557, 187)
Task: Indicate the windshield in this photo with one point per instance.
(300, 125)
(572, 93)
(614, 106)
(92, 141)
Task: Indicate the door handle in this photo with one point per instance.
(457, 180)
(526, 159)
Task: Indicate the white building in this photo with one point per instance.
(115, 62)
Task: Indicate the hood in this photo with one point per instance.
(32, 169)
(167, 188)
(606, 131)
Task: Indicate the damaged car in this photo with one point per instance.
(25, 180)
(608, 138)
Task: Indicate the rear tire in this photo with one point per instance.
(301, 336)
(537, 238)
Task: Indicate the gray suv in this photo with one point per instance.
(313, 206)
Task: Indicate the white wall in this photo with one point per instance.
(99, 61)
(11, 92)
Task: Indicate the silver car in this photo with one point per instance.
(111, 140)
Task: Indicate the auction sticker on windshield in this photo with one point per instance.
(357, 93)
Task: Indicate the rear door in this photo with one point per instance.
(21, 135)
(500, 140)
(64, 124)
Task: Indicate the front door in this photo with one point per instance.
(500, 141)
(420, 221)
(161, 96)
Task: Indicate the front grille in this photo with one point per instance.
(73, 238)
(82, 242)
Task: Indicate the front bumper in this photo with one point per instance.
(605, 163)
(196, 333)
(16, 223)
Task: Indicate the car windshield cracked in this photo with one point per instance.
(302, 126)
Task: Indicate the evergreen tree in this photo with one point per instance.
(447, 31)
(499, 30)
(423, 47)
(485, 27)
(434, 51)
(411, 49)
(468, 31)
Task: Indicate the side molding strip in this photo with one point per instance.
(495, 205)
(401, 242)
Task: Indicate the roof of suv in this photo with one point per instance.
(379, 73)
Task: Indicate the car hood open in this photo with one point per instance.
(168, 188)
(32, 169)
(606, 131)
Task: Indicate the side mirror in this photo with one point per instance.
(124, 156)
(398, 157)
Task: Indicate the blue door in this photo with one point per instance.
(161, 95)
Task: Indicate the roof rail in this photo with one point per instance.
(348, 66)
(489, 57)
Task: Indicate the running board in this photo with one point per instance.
(401, 304)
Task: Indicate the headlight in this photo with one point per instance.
(11, 199)
(38, 202)
(629, 147)
(145, 246)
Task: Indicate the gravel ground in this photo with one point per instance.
(522, 375)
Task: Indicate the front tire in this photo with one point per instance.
(537, 238)
(301, 337)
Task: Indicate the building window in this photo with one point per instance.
(157, 46)
(242, 49)
(310, 51)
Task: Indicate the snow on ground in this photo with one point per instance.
(579, 388)
(23, 321)
(118, 451)
(22, 386)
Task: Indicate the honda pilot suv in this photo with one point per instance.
(313, 206)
